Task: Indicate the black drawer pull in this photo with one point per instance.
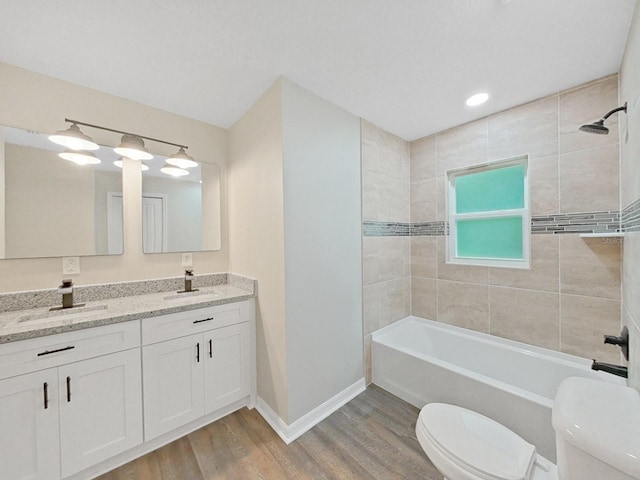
(203, 320)
(198, 352)
(68, 389)
(46, 395)
(48, 352)
(210, 348)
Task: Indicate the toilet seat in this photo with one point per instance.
(465, 445)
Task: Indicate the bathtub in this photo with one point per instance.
(422, 361)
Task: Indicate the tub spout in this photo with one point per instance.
(618, 370)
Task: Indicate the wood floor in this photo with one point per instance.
(372, 437)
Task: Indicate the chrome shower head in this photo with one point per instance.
(598, 127)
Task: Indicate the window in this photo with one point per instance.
(489, 218)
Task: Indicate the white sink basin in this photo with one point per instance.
(66, 314)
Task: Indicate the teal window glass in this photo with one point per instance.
(490, 238)
(496, 189)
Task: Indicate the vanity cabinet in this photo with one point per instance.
(194, 374)
(80, 411)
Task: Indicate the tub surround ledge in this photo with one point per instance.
(26, 314)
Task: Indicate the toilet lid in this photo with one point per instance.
(477, 443)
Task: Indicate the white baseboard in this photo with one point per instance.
(288, 433)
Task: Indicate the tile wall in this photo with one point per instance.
(386, 249)
(630, 193)
(571, 296)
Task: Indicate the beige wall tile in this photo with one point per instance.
(392, 301)
(406, 262)
(589, 180)
(371, 308)
(423, 158)
(391, 255)
(371, 195)
(584, 321)
(424, 297)
(407, 296)
(462, 146)
(543, 186)
(589, 267)
(392, 164)
(367, 359)
(424, 256)
(464, 305)
(587, 104)
(423, 201)
(529, 129)
(441, 201)
(370, 260)
(461, 273)
(631, 274)
(394, 205)
(544, 272)
(527, 316)
(370, 157)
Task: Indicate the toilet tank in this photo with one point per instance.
(597, 427)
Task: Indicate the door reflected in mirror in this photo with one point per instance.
(180, 214)
(51, 207)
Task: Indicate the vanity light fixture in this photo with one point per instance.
(74, 139)
(182, 159)
(477, 99)
(173, 170)
(131, 145)
(80, 157)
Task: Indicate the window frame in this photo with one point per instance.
(524, 213)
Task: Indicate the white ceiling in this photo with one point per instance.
(405, 65)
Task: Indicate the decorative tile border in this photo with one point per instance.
(630, 221)
(559, 223)
(585, 222)
(386, 229)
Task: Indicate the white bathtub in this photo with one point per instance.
(422, 361)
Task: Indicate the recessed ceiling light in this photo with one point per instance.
(477, 99)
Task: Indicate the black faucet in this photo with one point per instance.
(618, 370)
(623, 342)
(188, 278)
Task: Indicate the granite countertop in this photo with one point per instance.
(36, 322)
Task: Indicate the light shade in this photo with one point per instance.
(174, 171)
(182, 160)
(79, 157)
(133, 147)
(74, 139)
(477, 99)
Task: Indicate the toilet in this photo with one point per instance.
(597, 427)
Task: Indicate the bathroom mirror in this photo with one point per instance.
(51, 207)
(180, 214)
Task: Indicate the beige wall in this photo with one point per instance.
(386, 260)
(571, 295)
(35, 102)
(630, 191)
(256, 234)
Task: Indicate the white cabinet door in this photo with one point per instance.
(173, 384)
(29, 441)
(100, 409)
(227, 370)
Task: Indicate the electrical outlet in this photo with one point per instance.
(70, 265)
(187, 259)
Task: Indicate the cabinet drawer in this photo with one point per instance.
(50, 351)
(166, 327)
